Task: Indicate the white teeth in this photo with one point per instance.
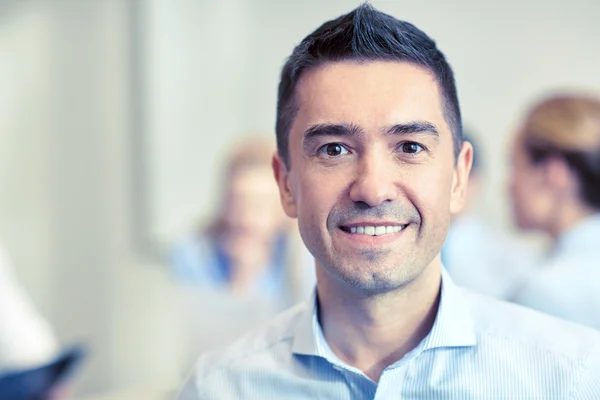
(376, 230)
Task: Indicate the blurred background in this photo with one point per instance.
(116, 117)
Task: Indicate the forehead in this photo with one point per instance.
(252, 179)
(369, 94)
(517, 144)
(518, 138)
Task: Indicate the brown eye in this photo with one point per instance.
(334, 149)
(411, 148)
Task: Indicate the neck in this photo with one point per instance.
(371, 332)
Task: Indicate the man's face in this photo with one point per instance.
(372, 180)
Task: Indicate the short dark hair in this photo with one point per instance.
(364, 34)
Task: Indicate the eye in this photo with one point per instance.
(333, 150)
(410, 148)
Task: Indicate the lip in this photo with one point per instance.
(359, 240)
(374, 223)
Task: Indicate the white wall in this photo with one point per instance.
(24, 145)
(210, 69)
(65, 184)
(197, 58)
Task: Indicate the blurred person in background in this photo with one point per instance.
(477, 255)
(247, 264)
(245, 249)
(555, 188)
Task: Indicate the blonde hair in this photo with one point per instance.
(568, 126)
(254, 151)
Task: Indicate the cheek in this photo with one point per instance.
(525, 187)
(318, 193)
(523, 190)
(530, 202)
(434, 188)
(523, 200)
(430, 192)
(433, 196)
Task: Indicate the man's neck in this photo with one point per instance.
(371, 332)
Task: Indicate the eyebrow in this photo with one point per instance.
(338, 130)
(413, 127)
(355, 130)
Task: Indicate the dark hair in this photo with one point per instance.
(567, 127)
(584, 164)
(364, 34)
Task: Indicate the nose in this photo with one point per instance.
(375, 181)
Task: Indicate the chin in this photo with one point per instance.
(378, 279)
(524, 223)
(375, 285)
(520, 220)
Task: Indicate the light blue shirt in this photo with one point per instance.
(568, 283)
(200, 261)
(478, 348)
(484, 259)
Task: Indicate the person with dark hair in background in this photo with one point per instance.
(555, 188)
(372, 163)
(478, 256)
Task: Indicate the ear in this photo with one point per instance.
(282, 176)
(460, 178)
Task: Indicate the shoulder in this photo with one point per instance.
(568, 271)
(254, 348)
(191, 244)
(191, 257)
(260, 359)
(568, 279)
(528, 329)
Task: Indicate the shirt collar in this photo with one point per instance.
(305, 340)
(453, 325)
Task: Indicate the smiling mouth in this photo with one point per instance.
(372, 230)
